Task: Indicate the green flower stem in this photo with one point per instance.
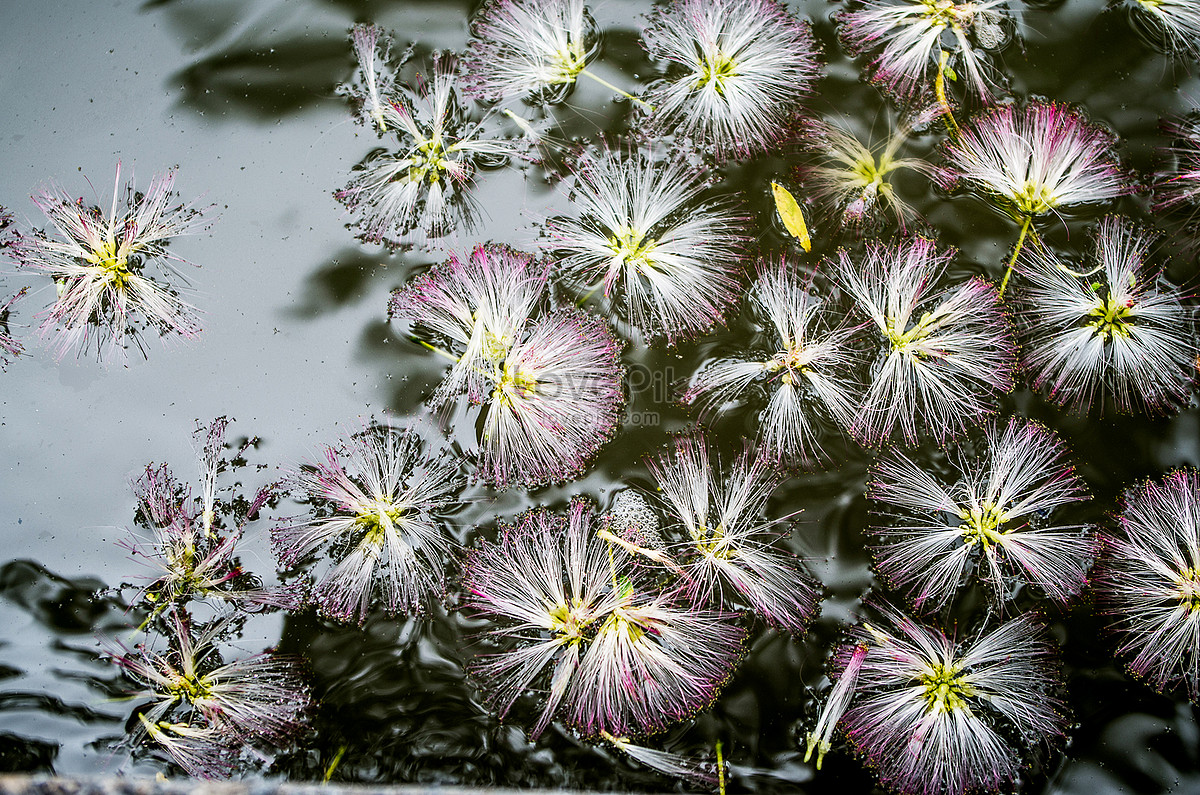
(620, 91)
(1012, 261)
(939, 87)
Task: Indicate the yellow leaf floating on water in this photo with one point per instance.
(790, 214)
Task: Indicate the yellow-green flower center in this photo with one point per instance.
(904, 341)
(1034, 198)
(710, 541)
(1110, 318)
(714, 70)
(191, 688)
(1188, 586)
(982, 525)
(569, 621)
(372, 520)
(944, 689)
(113, 261)
(632, 248)
(429, 161)
(568, 62)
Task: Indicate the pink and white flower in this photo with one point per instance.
(936, 714)
(101, 265)
(992, 515)
(944, 352)
(727, 551)
(644, 237)
(379, 503)
(736, 72)
(1148, 581)
(1113, 335)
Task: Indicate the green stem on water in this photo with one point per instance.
(939, 87)
(1012, 261)
(720, 770)
(620, 91)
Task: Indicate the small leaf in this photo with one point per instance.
(790, 214)
(949, 72)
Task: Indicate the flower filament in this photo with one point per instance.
(374, 519)
(1187, 585)
(113, 262)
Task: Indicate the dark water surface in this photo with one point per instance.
(296, 349)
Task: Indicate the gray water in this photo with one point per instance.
(297, 350)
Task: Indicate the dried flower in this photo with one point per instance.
(1148, 581)
(1042, 158)
(992, 516)
(1173, 26)
(534, 49)
(912, 39)
(99, 264)
(379, 500)
(194, 550)
(935, 714)
(853, 182)
(642, 234)
(1116, 335)
(737, 71)
(944, 354)
(808, 374)
(422, 187)
(727, 547)
(202, 711)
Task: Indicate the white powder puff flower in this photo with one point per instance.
(476, 307)
(533, 49)
(932, 713)
(728, 552)
(1042, 158)
(943, 354)
(378, 503)
(910, 40)
(102, 264)
(1148, 581)
(1177, 185)
(619, 660)
(993, 516)
(376, 76)
(201, 711)
(1172, 26)
(737, 71)
(809, 374)
(1116, 335)
(423, 187)
(644, 237)
(853, 182)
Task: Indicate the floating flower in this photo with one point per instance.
(379, 499)
(944, 354)
(202, 711)
(1116, 334)
(809, 374)
(991, 516)
(556, 400)
(1149, 581)
(665, 762)
(422, 187)
(932, 713)
(476, 307)
(737, 71)
(99, 264)
(911, 40)
(619, 660)
(1171, 25)
(1178, 185)
(1032, 161)
(194, 550)
(853, 182)
(727, 547)
(534, 49)
(642, 234)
